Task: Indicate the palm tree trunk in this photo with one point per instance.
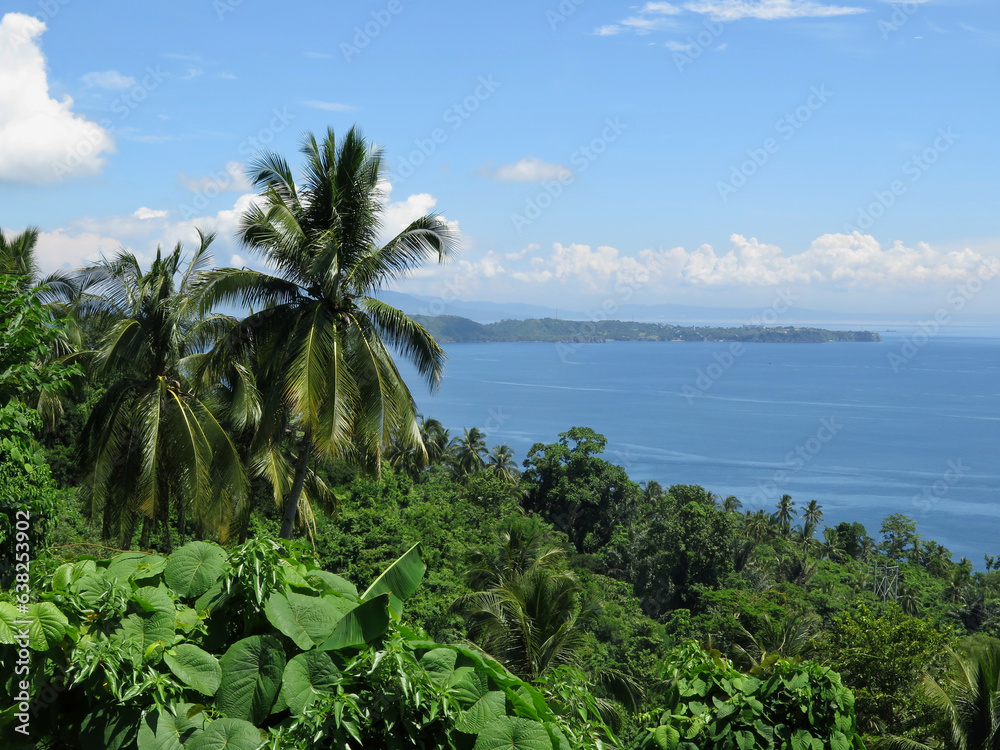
(291, 508)
(181, 508)
(147, 525)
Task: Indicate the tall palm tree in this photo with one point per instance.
(323, 339)
(468, 451)
(785, 513)
(435, 439)
(813, 513)
(501, 462)
(152, 443)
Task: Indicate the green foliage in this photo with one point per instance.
(578, 492)
(881, 654)
(452, 329)
(207, 649)
(706, 704)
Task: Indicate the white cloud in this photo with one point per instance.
(328, 106)
(530, 169)
(108, 79)
(145, 214)
(41, 139)
(833, 264)
(532, 248)
(231, 179)
(768, 10)
(678, 46)
(657, 16)
(833, 259)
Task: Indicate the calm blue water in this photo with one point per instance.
(831, 422)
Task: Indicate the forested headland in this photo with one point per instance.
(236, 532)
(452, 329)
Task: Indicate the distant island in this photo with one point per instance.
(451, 329)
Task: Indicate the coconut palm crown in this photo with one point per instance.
(323, 339)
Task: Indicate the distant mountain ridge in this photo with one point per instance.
(685, 315)
(451, 329)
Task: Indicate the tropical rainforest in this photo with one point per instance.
(234, 531)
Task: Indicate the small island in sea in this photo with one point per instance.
(451, 329)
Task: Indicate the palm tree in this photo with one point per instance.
(467, 451)
(813, 514)
(786, 510)
(323, 339)
(969, 698)
(732, 504)
(787, 638)
(152, 443)
(17, 254)
(833, 550)
(501, 462)
(526, 609)
(435, 439)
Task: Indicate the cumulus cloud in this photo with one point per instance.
(529, 169)
(834, 263)
(41, 139)
(108, 79)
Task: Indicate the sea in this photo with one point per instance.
(907, 425)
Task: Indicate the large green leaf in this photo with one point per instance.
(400, 579)
(145, 631)
(307, 676)
(322, 579)
(163, 730)
(439, 663)
(195, 668)
(193, 568)
(513, 733)
(227, 734)
(135, 565)
(361, 625)
(307, 620)
(154, 599)
(46, 625)
(251, 678)
(8, 627)
(491, 706)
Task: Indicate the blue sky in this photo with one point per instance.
(711, 152)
